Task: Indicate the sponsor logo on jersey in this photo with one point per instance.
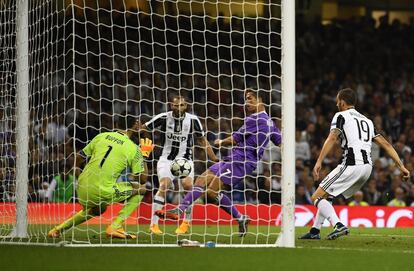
(179, 138)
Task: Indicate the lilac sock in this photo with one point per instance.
(226, 204)
(190, 197)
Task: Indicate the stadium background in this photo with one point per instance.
(365, 45)
(339, 43)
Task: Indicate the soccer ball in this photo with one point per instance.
(181, 167)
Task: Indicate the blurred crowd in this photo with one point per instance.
(376, 60)
(133, 63)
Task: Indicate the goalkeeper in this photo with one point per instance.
(109, 154)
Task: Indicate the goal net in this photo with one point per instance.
(73, 69)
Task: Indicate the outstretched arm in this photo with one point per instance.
(327, 147)
(389, 149)
(141, 177)
(224, 142)
(206, 145)
(142, 128)
(139, 166)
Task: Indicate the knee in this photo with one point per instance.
(163, 186)
(187, 184)
(97, 210)
(318, 195)
(314, 198)
(201, 180)
(211, 193)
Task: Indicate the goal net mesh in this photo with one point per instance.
(91, 63)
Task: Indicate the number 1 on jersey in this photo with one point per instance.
(106, 155)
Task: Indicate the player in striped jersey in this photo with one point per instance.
(178, 128)
(356, 133)
(249, 143)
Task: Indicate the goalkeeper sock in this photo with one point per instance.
(190, 197)
(226, 204)
(129, 207)
(157, 204)
(327, 210)
(76, 219)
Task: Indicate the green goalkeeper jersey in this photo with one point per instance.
(109, 155)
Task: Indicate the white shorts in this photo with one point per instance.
(164, 169)
(346, 180)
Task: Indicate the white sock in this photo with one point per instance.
(318, 222)
(327, 211)
(157, 204)
(188, 213)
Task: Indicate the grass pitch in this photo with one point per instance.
(363, 249)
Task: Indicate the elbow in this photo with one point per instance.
(215, 159)
(142, 190)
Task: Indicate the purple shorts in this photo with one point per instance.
(232, 172)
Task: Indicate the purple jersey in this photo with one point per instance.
(252, 139)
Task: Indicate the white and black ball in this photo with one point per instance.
(181, 167)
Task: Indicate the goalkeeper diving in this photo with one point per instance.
(109, 154)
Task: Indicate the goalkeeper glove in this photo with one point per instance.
(146, 147)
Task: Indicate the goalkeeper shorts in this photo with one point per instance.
(96, 196)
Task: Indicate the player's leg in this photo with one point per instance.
(314, 232)
(215, 192)
(229, 175)
(165, 179)
(131, 193)
(349, 180)
(198, 189)
(336, 182)
(85, 214)
(158, 203)
(187, 185)
(90, 201)
(327, 210)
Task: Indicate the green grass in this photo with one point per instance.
(363, 249)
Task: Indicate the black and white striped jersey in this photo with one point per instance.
(357, 132)
(177, 135)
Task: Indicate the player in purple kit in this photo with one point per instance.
(248, 144)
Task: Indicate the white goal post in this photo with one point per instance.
(287, 237)
(71, 60)
(22, 120)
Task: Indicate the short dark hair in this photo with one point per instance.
(259, 94)
(126, 122)
(348, 95)
(252, 92)
(178, 96)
